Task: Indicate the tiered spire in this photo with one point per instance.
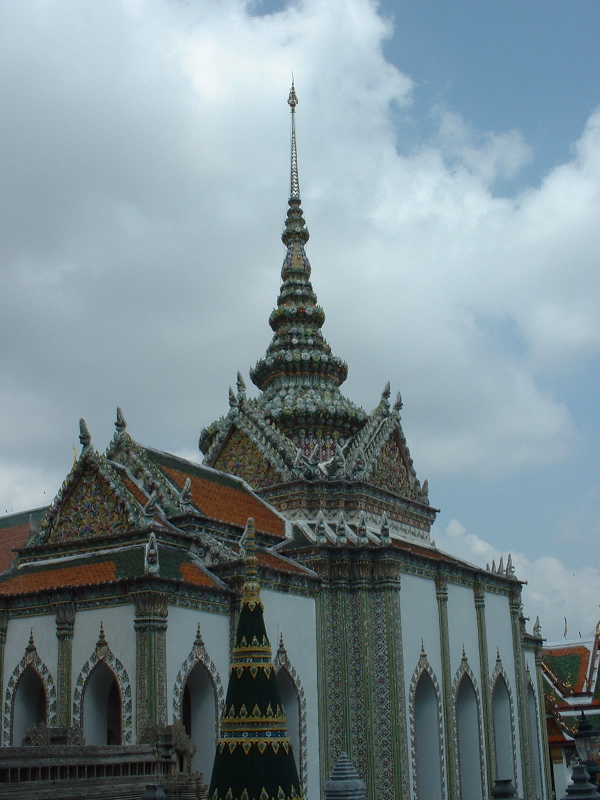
(299, 376)
(254, 758)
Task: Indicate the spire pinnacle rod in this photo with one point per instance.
(294, 182)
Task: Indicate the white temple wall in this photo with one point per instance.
(462, 628)
(17, 638)
(500, 640)
(499, 634)
(295, 617)
(420, 623)
(200, 670)
(181, 632)
(118, 622)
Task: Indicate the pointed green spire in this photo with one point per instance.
(254, 758)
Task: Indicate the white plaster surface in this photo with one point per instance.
(295, 618)
(181, 633)
(17, 639)
(462, 629)
(419, 614)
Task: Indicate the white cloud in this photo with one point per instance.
(146, 167)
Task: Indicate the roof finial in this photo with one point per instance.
(294, 183)
(295, 226)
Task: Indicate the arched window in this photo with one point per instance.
(102, 708)
(427, 740)
(535, 739)
(467, 724)
(30, 705)
(199, 717)
(503, 737)
(291, 704)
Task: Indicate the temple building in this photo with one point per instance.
(125, 599)
(571, 669)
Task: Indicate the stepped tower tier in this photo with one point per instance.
(301, 443)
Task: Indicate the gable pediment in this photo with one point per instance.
(241, 456)
(91, 503)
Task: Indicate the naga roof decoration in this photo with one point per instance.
(301, 428)
(254, 758)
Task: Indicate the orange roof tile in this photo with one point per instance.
(281, 564)
(10, 538)
(135, 490)
(229, 504)
(82, 575)
(193, 574)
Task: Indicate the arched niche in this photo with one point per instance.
(119, 700)
(468, 740)
(503, 729)
(102, 707)
(30, 661)
(291, 705)
(199, 714)
(427, 739)
(30, 705)
(293, 698)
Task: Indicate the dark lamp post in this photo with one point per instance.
(587, 742)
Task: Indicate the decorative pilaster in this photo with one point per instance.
(3, 629)
(151, 611)
(65, 623)
(395, 675)
(366, 675)
(517, 627)
(441, 593)
(486, 698)
(359, 649)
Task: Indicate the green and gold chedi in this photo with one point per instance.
(254, 758)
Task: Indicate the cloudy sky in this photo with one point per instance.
(450, 176)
